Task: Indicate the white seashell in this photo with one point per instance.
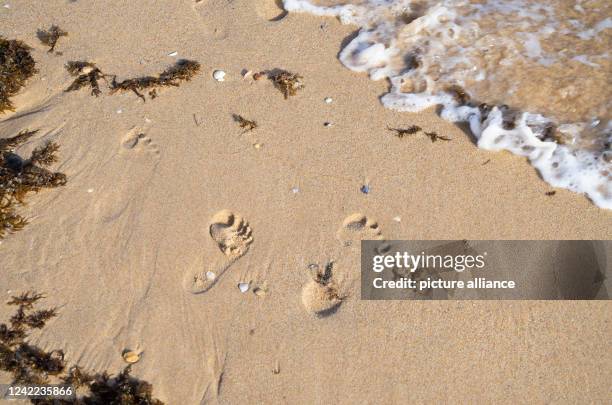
(219, 75)
(328, 100)
(173, 53)
(244, 287)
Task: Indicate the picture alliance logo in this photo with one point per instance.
(405, 260)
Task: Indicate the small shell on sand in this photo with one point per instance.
(219, 75)
(173, 53)
(328, 100)
(260, 291)
(243, 287)
(130, 356)
(210, 275)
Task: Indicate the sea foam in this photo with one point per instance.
(529, 77)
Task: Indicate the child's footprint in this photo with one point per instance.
(358, 227)
(233, 236)
(137, 140)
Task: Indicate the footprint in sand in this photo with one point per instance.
(233, 236)
(136, 140)
(358, 227)
(321, 296)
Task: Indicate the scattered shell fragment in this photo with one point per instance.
(328, 100)
(247, 73)
(90, 190)
(173, 53)
(243, 287)
(328, 124)
(397, 219)
(257, 145)
(260, 291)
(130, 356)
(219, 75)
(295, 190)
(258, 75)
(210, 275)
(276, 368)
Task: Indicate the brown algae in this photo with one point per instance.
(19, 176)
(16, 67)
(288, 83)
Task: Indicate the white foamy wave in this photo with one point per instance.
(436, 52)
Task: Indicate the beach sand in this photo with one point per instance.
(118, 248)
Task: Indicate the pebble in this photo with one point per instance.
(244, 287)
(219, 75)
(397, 219)
(257, 146)
(130, 356)
(328, 124)
(90, 190)
(365, 189)
(295, 190)
(119, 111)
(210, 275)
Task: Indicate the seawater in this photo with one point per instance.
(531, 77)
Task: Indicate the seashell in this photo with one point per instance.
(219, 75)
(130, 356)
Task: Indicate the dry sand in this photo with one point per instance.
(118, 247)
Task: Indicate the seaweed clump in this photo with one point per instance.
(433, 136)
(16, 67)
(288, 83)
(183, 70)
(86, 74)
(51, 36)
(29, 364)
(247, 125)
(413, 129)
(402, 132)
(18, 177)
